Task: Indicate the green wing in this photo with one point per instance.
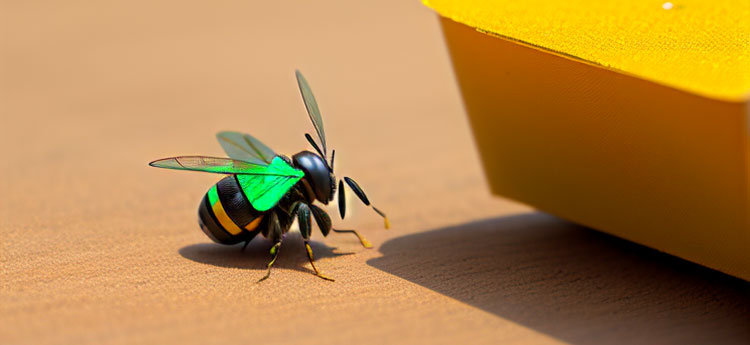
(312, 108)
(245, 148)
(264, 191)
(263, 184)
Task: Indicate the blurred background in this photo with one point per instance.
(99, 248)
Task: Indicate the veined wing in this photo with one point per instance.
(263, 184)
(265, 190)
(245, 147)
(215, 165)
(312, 109)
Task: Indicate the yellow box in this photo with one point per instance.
(628, 117)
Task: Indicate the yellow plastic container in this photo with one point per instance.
(628, 117)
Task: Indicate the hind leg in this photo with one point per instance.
(274, 254)
(275, 234)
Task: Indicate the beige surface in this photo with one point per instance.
(98, 248)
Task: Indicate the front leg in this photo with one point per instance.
(324, 223)
(305, 227)
(362, 196)
(365, 243)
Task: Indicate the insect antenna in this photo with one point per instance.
(333, 155)
(314, 145)
(363, 197)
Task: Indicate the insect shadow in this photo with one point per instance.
(256, 256)
(573, 283)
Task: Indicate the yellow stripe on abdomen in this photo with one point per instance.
(254, 224)
(221, 215)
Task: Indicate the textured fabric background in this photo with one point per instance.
(697, 46)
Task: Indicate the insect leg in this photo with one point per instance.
(312, 259)
(322, 218)
(303, 219)
(276, 236)
(275, 230)
(324, 223)
(244, 246)
(305, 228)
(363, 197)
(274, 254)
(362, 239)
(342, 199)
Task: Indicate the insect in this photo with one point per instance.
(264, 192)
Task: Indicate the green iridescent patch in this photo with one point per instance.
(265, 190)
(213, 195)
(263, 184)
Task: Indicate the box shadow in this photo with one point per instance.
(573, 283)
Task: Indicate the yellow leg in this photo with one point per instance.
(274, 253)
(310, 256)
(362, 239)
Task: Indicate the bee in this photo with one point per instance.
(264, 192)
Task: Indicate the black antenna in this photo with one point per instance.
(333, 155)
(312, 142)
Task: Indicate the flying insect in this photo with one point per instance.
(264, 192)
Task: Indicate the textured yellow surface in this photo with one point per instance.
(696, 46)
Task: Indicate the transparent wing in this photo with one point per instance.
(312, 108)
(263, 184)
(215, 165)
(245, 147)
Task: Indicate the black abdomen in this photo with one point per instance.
(225, 214)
